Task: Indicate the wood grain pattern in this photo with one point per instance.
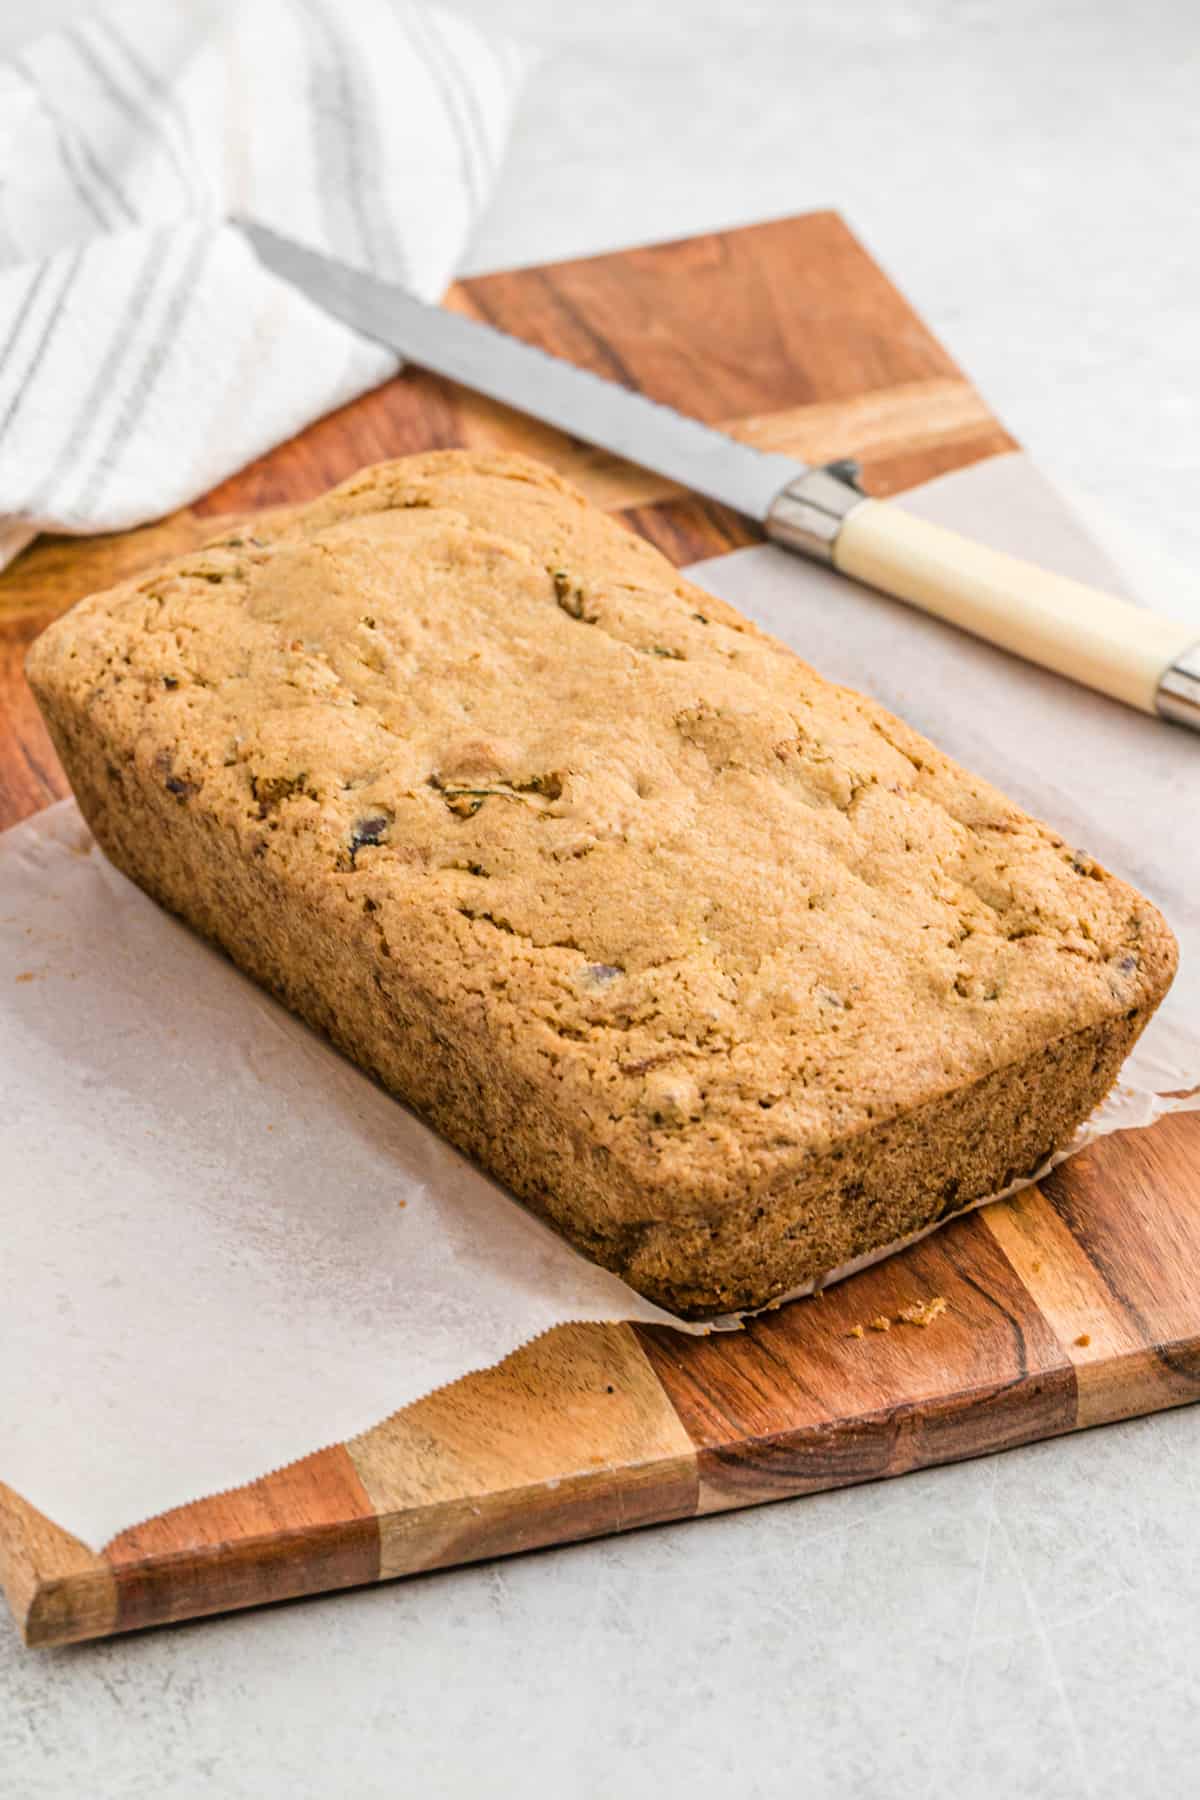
(58, 1590)
(1075, 1303)
(1109, 1247)
(571, 1437)
(305, 1529)
(800, 1401)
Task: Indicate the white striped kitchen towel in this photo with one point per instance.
(144, 354)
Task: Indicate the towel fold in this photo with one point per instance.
(144, 353)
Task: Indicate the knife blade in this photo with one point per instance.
(530, 380)
(1125, 651)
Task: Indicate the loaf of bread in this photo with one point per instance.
(724, 970)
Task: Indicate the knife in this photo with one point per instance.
(1139, 657)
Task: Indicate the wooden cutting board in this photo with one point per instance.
(1074, 1304)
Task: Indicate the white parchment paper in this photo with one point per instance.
(222, 1248)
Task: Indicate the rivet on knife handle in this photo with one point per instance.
(1133, 655)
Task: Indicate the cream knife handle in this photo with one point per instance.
(1079, 631)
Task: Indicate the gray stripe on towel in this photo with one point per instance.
(157, 351)
(90, 413)
(336, 147)
(43, 344)
(470, 99)
(37, 281)
(66, 155)
(415, 26)
(138, 114)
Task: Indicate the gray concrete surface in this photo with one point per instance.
(1024, 1626)
(1021, 1627)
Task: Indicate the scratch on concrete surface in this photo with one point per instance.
(1056, 1674)
(969, 1647)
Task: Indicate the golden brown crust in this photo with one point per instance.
(712, 960)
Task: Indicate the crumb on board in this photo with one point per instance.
(921, 1312)
(924, 1312)
(25, 975)
(1084, 1339)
